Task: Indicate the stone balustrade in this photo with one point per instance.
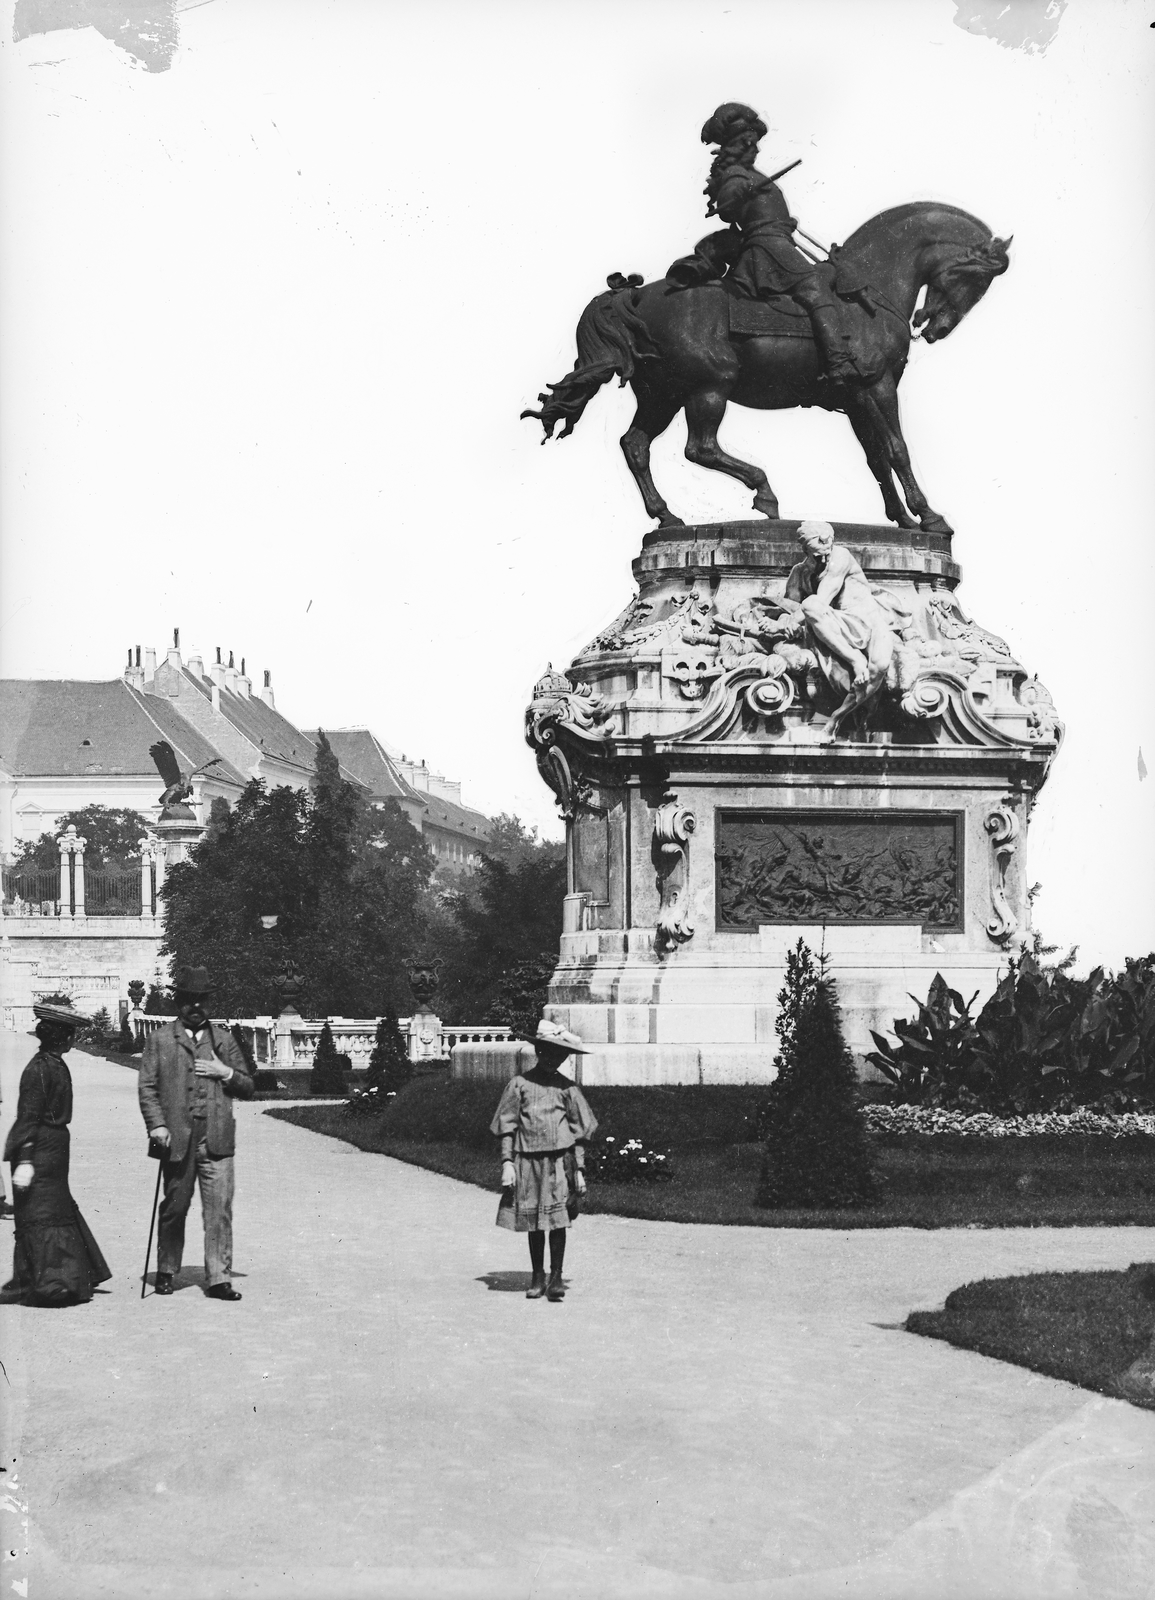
(353, 1036)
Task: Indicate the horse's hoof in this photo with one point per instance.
(669, 520)
(903, 519)
(933, 523)
(768, 508)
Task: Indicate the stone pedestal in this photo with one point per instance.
(424, 1036)
(715, 814)
(178, 830)
(284, 1058)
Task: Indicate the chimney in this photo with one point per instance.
(231, 676)
(133, 676)
(149, 664)
(244, 683)
(267, 691)
(173, 657)
(217, 673)
(195, 665)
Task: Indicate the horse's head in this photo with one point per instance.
(957, 284)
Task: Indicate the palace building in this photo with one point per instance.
(67, 743)
(70, 743)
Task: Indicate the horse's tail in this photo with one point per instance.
(611, 339)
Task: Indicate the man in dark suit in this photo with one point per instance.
(190, 1074)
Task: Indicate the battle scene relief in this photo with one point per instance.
(812, 867)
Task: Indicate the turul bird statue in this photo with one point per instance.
(178, 786)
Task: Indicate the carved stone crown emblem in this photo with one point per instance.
(551, 684)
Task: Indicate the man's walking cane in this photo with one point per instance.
(156, 1151)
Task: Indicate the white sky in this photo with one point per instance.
(269, 317)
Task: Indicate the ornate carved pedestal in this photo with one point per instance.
(712, 819)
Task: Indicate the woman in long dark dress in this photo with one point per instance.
(57, 1262)
(543, 1122)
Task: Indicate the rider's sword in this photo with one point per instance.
(817, 243)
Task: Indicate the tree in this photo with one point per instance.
(390, 1068)
(113, 835)
(520, 994)
(348, 884)
(499, 930)
(328, 1074)
(816, 1147)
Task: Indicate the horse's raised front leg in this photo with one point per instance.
(704, 413)
(881, 401)
(876, 459)
(652, 417)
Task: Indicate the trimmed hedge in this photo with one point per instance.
(433, 1109)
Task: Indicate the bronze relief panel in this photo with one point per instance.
(838, 867)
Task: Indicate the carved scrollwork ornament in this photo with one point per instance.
(773, 693)
(571, 790)
(927, 697)
(1003, 829)
(673, 825)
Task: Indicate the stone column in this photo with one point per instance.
(78, 873)
(65, 856)
(74, 895)
(146, 859)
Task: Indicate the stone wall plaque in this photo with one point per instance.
(838, 867)
(591, 856)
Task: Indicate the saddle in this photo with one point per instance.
(782, 317)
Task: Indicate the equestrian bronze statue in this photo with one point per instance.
(752, 317)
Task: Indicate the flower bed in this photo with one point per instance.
(982, 1124)
(627, 1161)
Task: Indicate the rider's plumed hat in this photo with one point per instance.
(731, 120)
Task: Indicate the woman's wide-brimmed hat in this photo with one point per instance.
(560, 1038)
(65, 1015)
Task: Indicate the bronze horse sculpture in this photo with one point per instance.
(675, 348)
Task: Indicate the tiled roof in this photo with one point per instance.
(73, 728)
(444, 814)
(272, 733)
(361, 753)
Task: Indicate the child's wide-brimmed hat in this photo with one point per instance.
(62, 1014)
(560, 1038)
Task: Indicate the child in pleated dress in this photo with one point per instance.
(543, 1122)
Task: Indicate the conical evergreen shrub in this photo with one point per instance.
(817, 1152)
(328, 1074)
(389, 1066)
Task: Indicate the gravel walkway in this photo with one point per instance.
(712, 1411)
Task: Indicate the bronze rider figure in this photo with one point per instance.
(758, 247)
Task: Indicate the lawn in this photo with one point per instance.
(1086, 1327)
(925, 1182)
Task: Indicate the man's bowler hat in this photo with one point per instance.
(192, 981)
